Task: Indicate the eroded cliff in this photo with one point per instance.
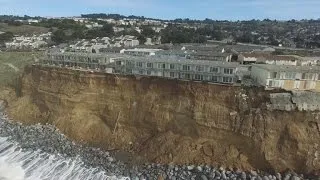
(169, 121)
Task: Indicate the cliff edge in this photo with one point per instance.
(170, 121)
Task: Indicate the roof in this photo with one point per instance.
(172, 52)
(265, 56)
(143, 50)
(212, 54)
(178, 60)
(167, 59)
(281, 68)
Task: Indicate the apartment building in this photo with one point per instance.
(287, 77)
(175, 68)
(185, 69)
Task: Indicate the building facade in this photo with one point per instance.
(175, 68)
(185, 69)
(287, 77)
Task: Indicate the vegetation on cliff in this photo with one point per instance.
(12, 65)
(11, 70)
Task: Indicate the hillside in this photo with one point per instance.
(26, 30)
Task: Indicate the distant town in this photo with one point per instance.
(291, 34)
(268, 53)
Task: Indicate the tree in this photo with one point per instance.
(142, 39)
(245, 38)
(14, 23)
(107, 29)
(78, 34)
(131, 32)
(147, 31)
(180, 35)
(7, 36)
(217, 35)
(59, 36)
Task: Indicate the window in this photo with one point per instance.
(227, 79)
(186, 68)
(290, 75)
(214, 78)
(318, 76)
(198, 77)
(139, 64)
(214, 69)
(274, 75)
(172, 74)
(309, 76)
(118, 63)
(148, 72)
(172, 66)
(187, 76)
(149, 65)
(129, 63)
(228, 71)
(161, 66)
(275, 84)
(200, 68)
(141, 72)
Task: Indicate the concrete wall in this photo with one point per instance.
(243, 59)
(282, 62)
(281, 101)
(300, 100)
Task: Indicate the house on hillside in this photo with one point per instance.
(126, 41)
(29, 42)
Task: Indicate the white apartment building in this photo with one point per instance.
(287, 77)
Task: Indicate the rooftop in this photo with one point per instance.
(280, 68)
(269, 56)
(210, 54)
(143, 50)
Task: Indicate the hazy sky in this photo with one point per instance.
(169, 9)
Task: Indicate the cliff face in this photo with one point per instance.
(170, 121)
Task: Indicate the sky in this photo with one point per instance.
(169, 9)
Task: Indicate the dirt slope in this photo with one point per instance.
(169, 121)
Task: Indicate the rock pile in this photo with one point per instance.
(48, 139)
